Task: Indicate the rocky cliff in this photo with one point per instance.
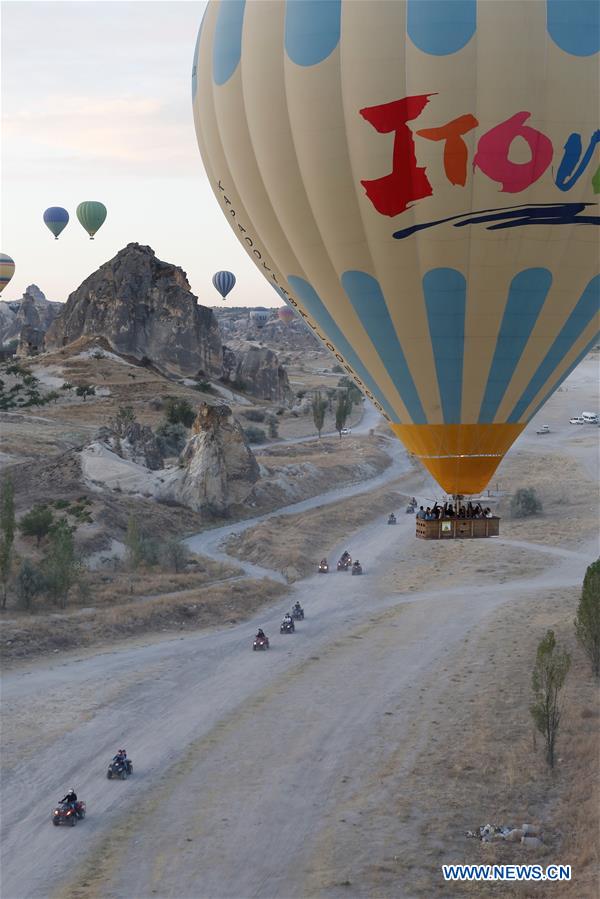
(219, 467)
(144, 307)
(32, 311)
(258, 372)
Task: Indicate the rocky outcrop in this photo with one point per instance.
(259, 373)
(33, 310)
(136, 443)
(219, 467)
(31, 341)
(144, 308)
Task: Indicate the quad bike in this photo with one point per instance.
(65, 813)
(260, 643)
(118, 769)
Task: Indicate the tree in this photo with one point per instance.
(133, 542)
(85, 390)
(319, 407)
(61, 566)
(171, 438)
(549, 674)
(342, 411)
(7, 533)
(29, 582)
(174, 554)
(125, 416)
(587, 621)
(273, 427)
(525, 503)
(349, 385)
(67, 386)
(36, 523)
(180, 412)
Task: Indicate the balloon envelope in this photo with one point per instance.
(7, 270)
(286, 315)
(56, 219)
(260, 317)
(224, 282)
(435, 231)
(91, 215)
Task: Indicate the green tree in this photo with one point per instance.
(67, 386)
(134, 543)
(61, 567)
(273, 427)
(319, 407)
(125, 416)
(342, 411)
(549, 674)
(349, 385)
(85, 390)
(525, 503)
(7, 533)
(36, 523)
(174, 554)
(587, 621)
(28, 584)
(180, 412)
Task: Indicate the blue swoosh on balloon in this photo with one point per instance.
(513, 217)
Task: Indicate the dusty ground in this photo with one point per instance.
(360, 747)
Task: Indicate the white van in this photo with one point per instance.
(590, 418)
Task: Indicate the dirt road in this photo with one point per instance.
(242, 760)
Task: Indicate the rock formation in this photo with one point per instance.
(33, 310)
(136, 443)
(219, 467)
(258, 372)
(31, 341)
(144, 308)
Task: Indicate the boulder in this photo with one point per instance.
(219, 467)
(259, 373)
(514, 836)
(531, 842)
(144, 308)
(531, 830)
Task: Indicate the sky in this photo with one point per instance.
(96, 105)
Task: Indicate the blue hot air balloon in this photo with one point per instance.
(224, 282)
(56, 219)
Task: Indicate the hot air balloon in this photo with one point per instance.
(56, 220)
(286, 315)
(412, 179)
(259, 317)
(224, 282)
(91, 215)
(7, 270)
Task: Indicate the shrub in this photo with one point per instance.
(255, 435)
(85, 390)
(67, 386)
(587, 621)
(337, 369)
(525, 503)
(273, 426)
(28, 584)
(171, 438)
(173, 554)
(61, 568)
(254, 414)
(204, 387)
(36, 523)
(61, 503)
(179, 411)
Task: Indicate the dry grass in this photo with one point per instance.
(227, 602)
(482, 765)
(122, 587)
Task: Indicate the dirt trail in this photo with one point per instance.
(243, 760)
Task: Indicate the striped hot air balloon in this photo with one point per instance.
(259, 317)
(223, 282)
(91, 215)
(7, 270)
(56, 220)
(419, 180)
(286, 315)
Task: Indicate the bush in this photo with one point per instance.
(525, 503)
(337, 369)
(254, 414)
(171, 438)
(173, 554)
(255, 435)
(204, 387)
(67, 386)
(36, 523)
(179, 411)
(273, 427)
(28, 584)
(61, 503)
(85, 390)
(587, 621)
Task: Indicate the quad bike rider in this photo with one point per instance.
(391, 518)
(261, 641)
(287, 625)
(120, 765)
(357, 568)
(298, 612)
(344, 562)
(69, 810)
(323, 566)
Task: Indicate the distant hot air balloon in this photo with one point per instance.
(259, 317)
(7, 270)
(286, 315)
(56, 219)
(91, 215)
(224, 282)
(411, 178)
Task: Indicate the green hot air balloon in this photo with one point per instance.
(91, 215)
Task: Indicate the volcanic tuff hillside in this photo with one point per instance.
(32, 310)
(144, 307)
